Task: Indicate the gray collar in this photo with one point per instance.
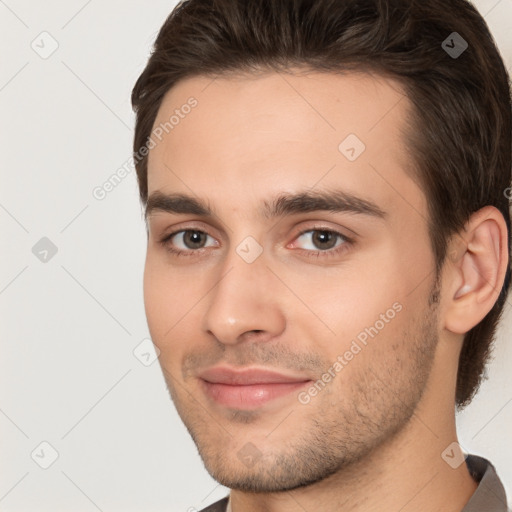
(490, 494)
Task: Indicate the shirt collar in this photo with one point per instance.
(490, 494)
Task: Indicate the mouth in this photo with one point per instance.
(248, 388)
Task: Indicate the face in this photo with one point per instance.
(286, 235)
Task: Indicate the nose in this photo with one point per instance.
(244, 302)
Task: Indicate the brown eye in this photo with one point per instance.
(321, 239)
(194, 239)
(187, 242)
(324, 239)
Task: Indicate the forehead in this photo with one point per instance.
(260, 134)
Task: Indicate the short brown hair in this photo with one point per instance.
(461, 142)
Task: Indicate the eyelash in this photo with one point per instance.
(165, 242)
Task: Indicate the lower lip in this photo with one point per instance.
(249, 396)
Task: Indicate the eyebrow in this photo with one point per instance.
(284, 204)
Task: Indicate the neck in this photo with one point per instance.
(405, 475)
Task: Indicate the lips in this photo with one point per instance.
(224, 375)
(249, 388)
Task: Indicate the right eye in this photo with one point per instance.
(185, 242)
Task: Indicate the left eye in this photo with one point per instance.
(321, 239)
(189, 239)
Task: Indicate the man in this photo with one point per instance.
(324, 184)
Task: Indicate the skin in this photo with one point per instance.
(372, 438)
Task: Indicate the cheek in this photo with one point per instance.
(161, 300)
(171, 305)
(162, 313)
(341, 302)
(360, 309)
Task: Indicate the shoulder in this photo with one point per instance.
(218, 506)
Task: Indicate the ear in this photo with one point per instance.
(475, 270)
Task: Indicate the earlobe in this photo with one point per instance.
(478, 274)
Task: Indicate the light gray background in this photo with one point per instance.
(70, 325)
